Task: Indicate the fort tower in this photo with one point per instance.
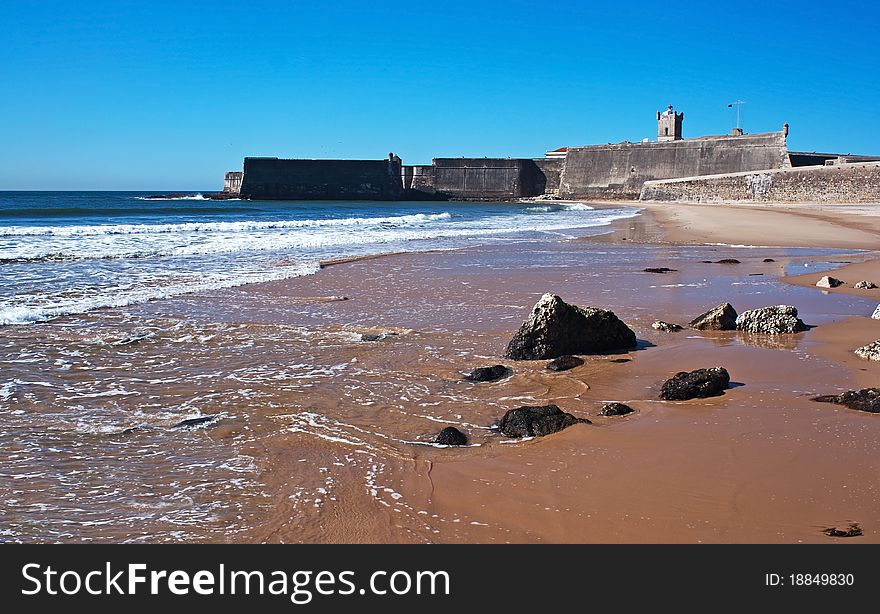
(669, 125)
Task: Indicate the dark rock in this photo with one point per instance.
(854, 530)
(768, 260)
(451, 436)
(727, 261)
(488, 374)
(828, 282)
(379, 337)
(564, 363)
(722, 317)
(864, 285)
(697, 384)
(866, 399)
(191, 422)
(556, 328)
(536, 421)
(615, 409)
(661, 269)
(755, 274)
(171, 196)
(776, 320)
(620, 360)
(666, 327)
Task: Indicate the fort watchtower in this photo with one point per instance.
(669, 125)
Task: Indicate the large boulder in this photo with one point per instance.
(870, 351)
(722, 317)
(697, 384)
(828, 282)
(451, 436)
(867, 399)
(488, 374)
(774, 320)
(555, 328)
(536, 421)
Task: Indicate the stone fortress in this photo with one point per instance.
(730, 167)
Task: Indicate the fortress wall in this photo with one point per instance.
(480, 178)
(551, 169)
(274, 178)
(620, 170)
(847, 183)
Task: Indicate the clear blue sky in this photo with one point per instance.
(169, 95)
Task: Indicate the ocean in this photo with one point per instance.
(64, 253)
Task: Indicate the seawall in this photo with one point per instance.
(620, 170)
(846, 183)
(275, 178)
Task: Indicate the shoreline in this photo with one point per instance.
(538, 487)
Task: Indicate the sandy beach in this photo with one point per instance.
(762, 463)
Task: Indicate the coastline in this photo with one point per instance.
(762, 463)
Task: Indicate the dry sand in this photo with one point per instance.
(762, 463)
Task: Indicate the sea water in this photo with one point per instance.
(63, 253)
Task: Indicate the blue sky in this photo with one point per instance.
(169, 95)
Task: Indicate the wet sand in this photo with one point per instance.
(762, 463)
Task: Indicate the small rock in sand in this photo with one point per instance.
(666, 327)
(866, 399)
(488, 374)
(854, 530)
(727, 261)
(865, 285)
(191, 422)
(700, 384)
(536, 421)
(615, 409)
(564, 363)
(828, 282)
(379, 337)
(870, 351)
(661, 269)
(451, 436)
(722, 317)
(768, 260)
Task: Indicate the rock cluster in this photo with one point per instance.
(722, 317)
(535, 421)
(555, 328)
(700, 384)
(866, 399)
(776, 320)
(865, 285)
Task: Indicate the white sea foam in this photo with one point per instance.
(27, 315)
(243, 226)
